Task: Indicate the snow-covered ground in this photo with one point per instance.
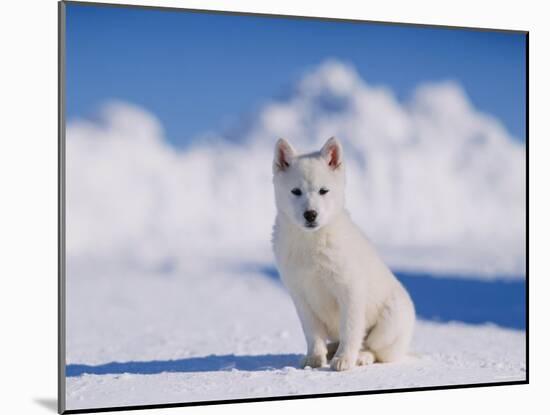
(181, 336)
(436, 184)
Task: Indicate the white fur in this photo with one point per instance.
(352, 308)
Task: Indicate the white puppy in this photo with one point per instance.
(352, 308)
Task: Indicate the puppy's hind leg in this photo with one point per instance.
(390, 338)
(365, 357)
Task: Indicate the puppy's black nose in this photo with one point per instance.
(310, 215)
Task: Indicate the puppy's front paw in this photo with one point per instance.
(343, 362)
(314, 360)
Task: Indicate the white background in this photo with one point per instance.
(28, 187)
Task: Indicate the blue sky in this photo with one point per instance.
(202, 72)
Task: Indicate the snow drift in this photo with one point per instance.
(142, 340)
(435, 184)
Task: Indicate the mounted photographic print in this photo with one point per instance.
(264, 207)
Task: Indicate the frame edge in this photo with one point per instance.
(61, 31)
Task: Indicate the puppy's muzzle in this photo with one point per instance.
(310, 216)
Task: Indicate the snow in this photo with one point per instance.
(435, 183)
(170, 297)
(152, 338)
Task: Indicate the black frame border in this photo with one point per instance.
(61, 212)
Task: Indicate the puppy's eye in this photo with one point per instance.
(296, 192)
(323, 191)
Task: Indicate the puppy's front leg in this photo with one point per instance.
(352, 331)
(315, 334)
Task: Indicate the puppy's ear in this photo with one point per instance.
(284, 153)
(332, 153)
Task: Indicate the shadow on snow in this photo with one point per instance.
(457, 298)
(441, 299)
(193, 364)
